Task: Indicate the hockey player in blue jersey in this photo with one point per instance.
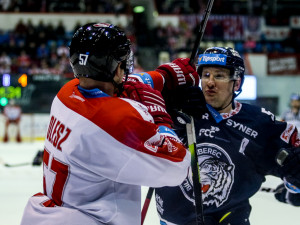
(237, 145)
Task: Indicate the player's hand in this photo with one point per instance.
(178, 73)
(189, 100)
(282, 195)
(289, 160)
(149, 97)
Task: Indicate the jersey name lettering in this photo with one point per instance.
(241, 127)
(57, 133)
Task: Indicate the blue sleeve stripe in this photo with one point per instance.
(145, 77)
(166, 130)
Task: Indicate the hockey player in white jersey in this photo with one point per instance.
(99, 148)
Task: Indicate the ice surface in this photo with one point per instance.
(17, 184)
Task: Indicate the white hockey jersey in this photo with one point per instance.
(98, 151)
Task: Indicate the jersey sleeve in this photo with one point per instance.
(277, 134)
(116, 138)
(158, 156)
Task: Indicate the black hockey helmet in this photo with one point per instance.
(96, 49)
(225, 57)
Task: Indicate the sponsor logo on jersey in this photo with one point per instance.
(73, 95)
(287, 133)
(209, 132)
(241, 127)
(216, 172)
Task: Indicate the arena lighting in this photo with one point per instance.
(23, 80)
(6, 80)
(3, 101)
(139, 9)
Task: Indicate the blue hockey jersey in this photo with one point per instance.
(235, 152)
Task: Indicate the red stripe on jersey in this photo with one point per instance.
(119, 119)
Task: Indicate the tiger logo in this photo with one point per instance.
(216, 172)
(216, 179)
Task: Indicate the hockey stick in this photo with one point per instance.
(267, 189)
(190, 127)
(191, 62)
(146, 204)
(17, 164)
(201, 31)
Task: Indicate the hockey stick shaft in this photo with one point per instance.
(201, 31)
(146, 204)
(190, 127)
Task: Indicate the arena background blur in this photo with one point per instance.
(34, 39)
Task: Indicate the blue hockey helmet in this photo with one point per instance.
(295, 96)
(225, 57)
(96, 49)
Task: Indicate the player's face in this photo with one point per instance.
(295, 104)
(217, 87)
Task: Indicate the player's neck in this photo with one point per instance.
(87, 83)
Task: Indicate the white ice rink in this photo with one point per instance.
(19, 183)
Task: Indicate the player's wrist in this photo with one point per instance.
(291, 187)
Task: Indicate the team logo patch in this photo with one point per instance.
(216, 172)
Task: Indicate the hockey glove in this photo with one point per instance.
(289, 160)
(149, 97)
(283, 195)
(189, 100)
(178, 73)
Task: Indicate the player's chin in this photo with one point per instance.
(210, 99)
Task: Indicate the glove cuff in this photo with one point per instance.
(290, 187)
(158, 80)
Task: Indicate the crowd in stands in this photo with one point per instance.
(43, 48)
(79, 6)
(34, 49)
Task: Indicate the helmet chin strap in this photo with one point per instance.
(232, 99)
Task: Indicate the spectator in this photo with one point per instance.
(292, 115)
(12, 113)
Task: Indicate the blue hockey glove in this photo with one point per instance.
(289, 160)
(283, 195)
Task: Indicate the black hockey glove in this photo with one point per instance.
(189, 100)
(38, 159)
(283, 195)
(289, 160)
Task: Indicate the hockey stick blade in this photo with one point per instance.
(267, 189)
(17, 165)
